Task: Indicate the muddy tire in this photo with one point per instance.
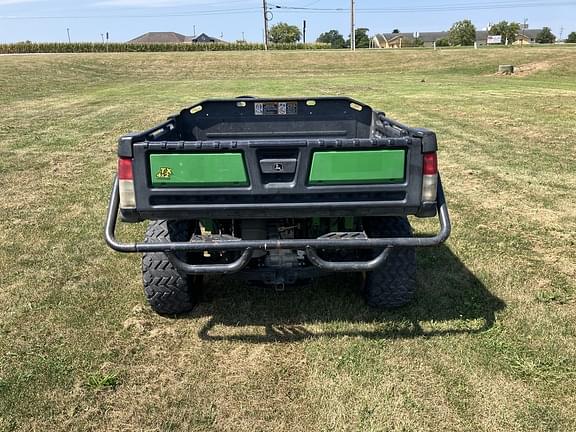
(168, 292)
(393, 284)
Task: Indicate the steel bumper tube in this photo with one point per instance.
(348, 266)
(249, 246)
(230, 268)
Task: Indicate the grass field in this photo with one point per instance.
(489, 345)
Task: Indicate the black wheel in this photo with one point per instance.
(168, 291)
(393, 284)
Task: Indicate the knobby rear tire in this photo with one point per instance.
(392, 284)
(168, 291)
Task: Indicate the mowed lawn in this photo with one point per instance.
(489, 344)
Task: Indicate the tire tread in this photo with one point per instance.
(167, 291)
(393, 284)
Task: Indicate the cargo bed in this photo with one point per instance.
(274, 158)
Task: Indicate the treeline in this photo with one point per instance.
(97, 47)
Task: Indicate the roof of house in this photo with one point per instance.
(432, 36)
(388, 37)
(531, 33)
(172, 37)
(425, 36)
(159, 37)
(203, 38)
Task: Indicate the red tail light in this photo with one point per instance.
(126, 184)
(125, 169)
(430, 177)
(430, 164)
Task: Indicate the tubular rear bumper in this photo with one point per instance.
(247, 247)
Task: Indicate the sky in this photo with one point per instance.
(89, 20)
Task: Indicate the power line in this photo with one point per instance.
(312, 10)
(208, 4)
(515, 3)
(226, 11)
(183, 14)
(432, 8)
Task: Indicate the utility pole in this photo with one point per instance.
(265, 7)
(194, 30)
(524, 26)
(68, 31)
(353, 26)
(304, 32)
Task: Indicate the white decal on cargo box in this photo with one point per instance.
(275, 108)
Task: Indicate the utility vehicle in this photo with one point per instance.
(277, 191)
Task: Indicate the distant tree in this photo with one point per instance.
(362, 38)
(571, 38)
(332, 37)
(285, 33)
(395, 31)
(462, 33)
(508, 31)
(444, 42)
(545, 36)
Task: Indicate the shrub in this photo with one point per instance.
(90, 47)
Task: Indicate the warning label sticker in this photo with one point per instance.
(275, 108)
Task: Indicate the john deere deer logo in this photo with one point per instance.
(164, 173)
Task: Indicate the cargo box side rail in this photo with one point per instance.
(247, 247)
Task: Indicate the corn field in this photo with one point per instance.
(90, 47)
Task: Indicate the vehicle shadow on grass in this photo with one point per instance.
(449, 300)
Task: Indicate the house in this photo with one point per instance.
(527, 37)
(399, 40)
(204, 38)
(173, 38)
(393, 40)
(159, 37)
